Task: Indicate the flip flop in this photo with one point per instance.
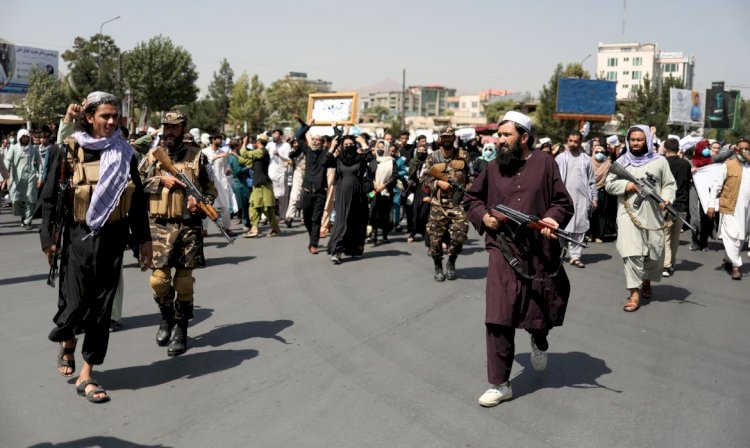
(90, 396)
(62, 362)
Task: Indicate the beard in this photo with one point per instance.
(639, 153)
(509, 159)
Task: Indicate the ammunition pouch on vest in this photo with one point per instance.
(172, 204)
(84, 180)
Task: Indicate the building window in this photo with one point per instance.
(611, 76)
(625, 59)
(670, 68)
(637, 61)
(636, 75)
(474, 104)
(626, 73)
(626, 49)
(625, 86)
(611, 62)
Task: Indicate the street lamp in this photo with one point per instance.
(99, 79)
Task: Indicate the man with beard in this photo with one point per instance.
(447, 220)
(640, 230)
(176, 231)
(526, 283)
(25, 166)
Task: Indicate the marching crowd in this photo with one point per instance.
(159, 191)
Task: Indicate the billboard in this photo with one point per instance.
(16, 63)
(585, 99)
(721, 106)
(685, 107)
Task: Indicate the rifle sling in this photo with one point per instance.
(513, 260)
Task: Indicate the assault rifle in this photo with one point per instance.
(203, 203)
(459, 190)
(536, 223)
(646, 190)
(59, 224)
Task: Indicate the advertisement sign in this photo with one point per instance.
(585, 99)
(685, 107)
(16, 63)
(721, 106)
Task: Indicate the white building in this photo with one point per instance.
(630, 63)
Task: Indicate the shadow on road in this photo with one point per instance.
(225, 334)
(152, 320)
(669, 293)
(384, 253)
(170, 369)
(574, 369)
(227, 260)
(96, 441)
(595, 258)
(472, 250)
(24, 279)
(472, 273)
(687, 265)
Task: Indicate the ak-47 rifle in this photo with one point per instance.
(520, 218)
(646, 190)
(59, 225)
(459, 190)
(203, 203)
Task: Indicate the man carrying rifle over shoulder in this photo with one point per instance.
(176, 230)
(640, 223)
(526, 283)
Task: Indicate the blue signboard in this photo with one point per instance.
(585, 97)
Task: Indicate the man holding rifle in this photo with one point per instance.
(176, 229)
(526, 283)
(640, 223)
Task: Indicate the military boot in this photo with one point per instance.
(178, 343)
(450, 268)
(439, 275)
(165, 327)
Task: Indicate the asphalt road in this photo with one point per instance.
(289, 350)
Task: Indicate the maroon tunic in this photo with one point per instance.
(536, 189)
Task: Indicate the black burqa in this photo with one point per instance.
(350, 205)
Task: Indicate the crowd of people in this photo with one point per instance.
(355, 189)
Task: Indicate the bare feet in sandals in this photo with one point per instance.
(633, 302)
(66, 361)
(88, 387)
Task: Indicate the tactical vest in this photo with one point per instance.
(731, 189)
(454, 168)
(85, 177)
(172, 204)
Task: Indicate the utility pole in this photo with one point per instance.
(99, 79)
(403, 99)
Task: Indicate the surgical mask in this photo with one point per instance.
(706, 152)
(600, 157)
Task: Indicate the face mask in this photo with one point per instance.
(706, 152)
(422, 156)
(744, 156)
(600, 157)
(381, 152)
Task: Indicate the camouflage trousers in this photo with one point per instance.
(177, 245)
(446, 222)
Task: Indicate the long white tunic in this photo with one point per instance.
(25, 168)
(225, 199)
(633, 241)
(736, 225)
(578, 176)
(277, 168)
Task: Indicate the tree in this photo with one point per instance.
(202, 114)
(381, 111)
(220, 90)
(287, 97)
(45, 100)
(247, 104)
(743, 125)
(160, 74)
(496, 109)
(650, 106)
(90, 70)
(547, 125)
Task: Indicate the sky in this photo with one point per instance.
(470, 45)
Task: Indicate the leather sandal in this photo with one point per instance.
(646, 291)
(62, 362)
(577, 263)
(632, 305)
(91, 395)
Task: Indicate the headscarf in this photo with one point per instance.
(699, 159)
(628, 158)
(489, 152)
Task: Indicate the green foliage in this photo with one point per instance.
(650, 106)
(220, 90)
(89, 70)
(45, 100)
(381, 111)
(160, 74)
(247, 104)
(496, 109)
(202, 114)
(547, 126)
(287, 97)
(743, 126)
